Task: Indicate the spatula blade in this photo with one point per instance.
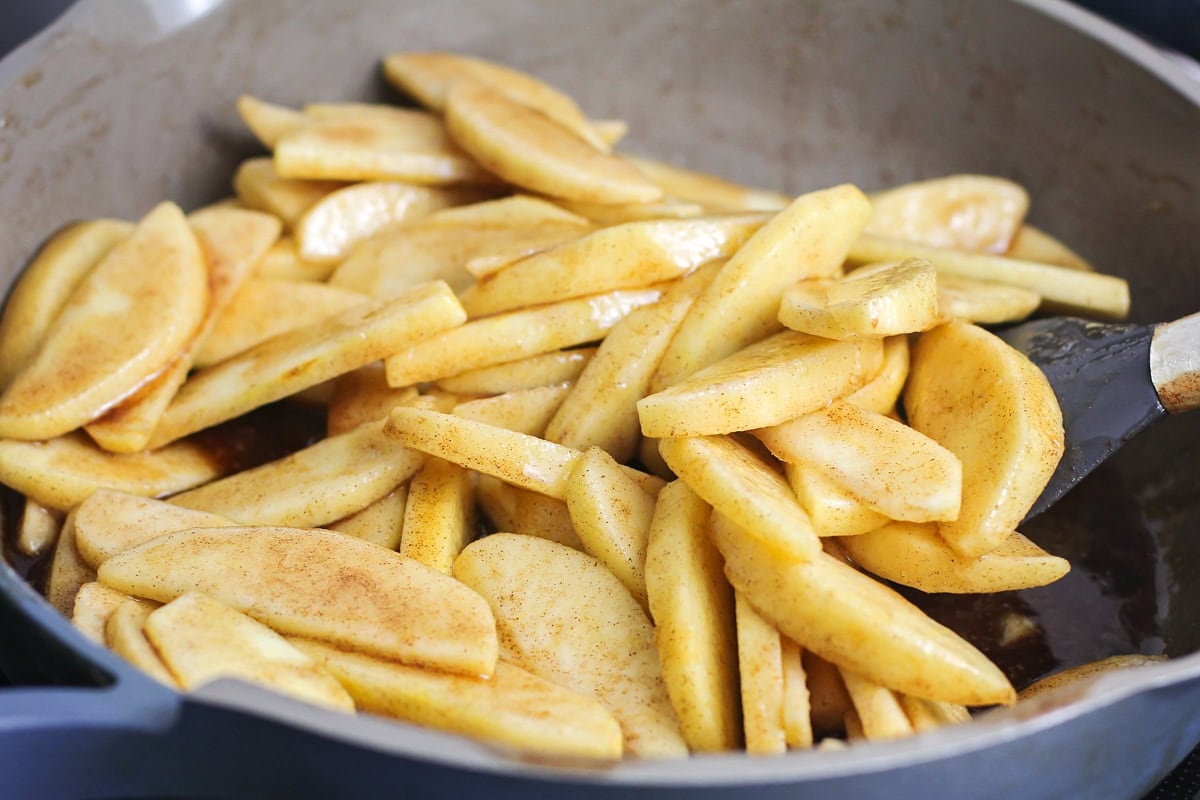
(1100, 373)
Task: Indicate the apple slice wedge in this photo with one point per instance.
(513, 709)
(201, 639)
(321, 585)
(127, 320)
(46, 285)
(564, 617)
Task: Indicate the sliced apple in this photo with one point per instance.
(760, 668)
(692, 606)
(893, 468)
(110, 522)
(515, 510)
(268, 121)
(202, 640)
(881, 300)
(124, 634)
(856, 622)
(797, 706)
(260, 187)
(808, 239)
(612, 515)
(233, 240)
(982, 301)
(515, 335)
(439, 518)
(442, 246)
(602, 409)
(926, 715)
(878, 708)
(832, 510)
(400, 145)
(766, 383)
(912, 554)
(267, 307)
(564, 617)
(881, 392)
(1062, 288)
(321, 483)
(533, 151)
(39, 295)
(126, 320)
(715, 194)
(429, 76)
(61, 473)
(381, 523)
(308, 355)
(68, 570)
(333, 225)
(606, 214)
(514, 709)
(968, 212)
(321, 585)
(523, 410)
(990, 406)
(283, 261)
(619, 257)
(1034, 244)
(737, 483)
(94, 603)
(38, 528)
(361, 396)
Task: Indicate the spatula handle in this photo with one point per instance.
(1175, 363)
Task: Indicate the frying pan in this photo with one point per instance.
(122, 103)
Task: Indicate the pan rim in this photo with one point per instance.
(708, 770)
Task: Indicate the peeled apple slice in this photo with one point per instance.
(990, 406)
(429, 76)
(884, 300)
(854, 621)
(127, 319)
(46, 284)
(692, 605)
(913, 554)
(201, 640)
(513, 709)
(563, 616)
(968, 212)
(329, 229)
(321, 585)
(531, 150)
(981, 301)
(894, 469)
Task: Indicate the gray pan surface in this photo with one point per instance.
(124, 102)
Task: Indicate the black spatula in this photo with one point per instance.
(1111, 381)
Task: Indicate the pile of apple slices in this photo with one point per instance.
(619, 458)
